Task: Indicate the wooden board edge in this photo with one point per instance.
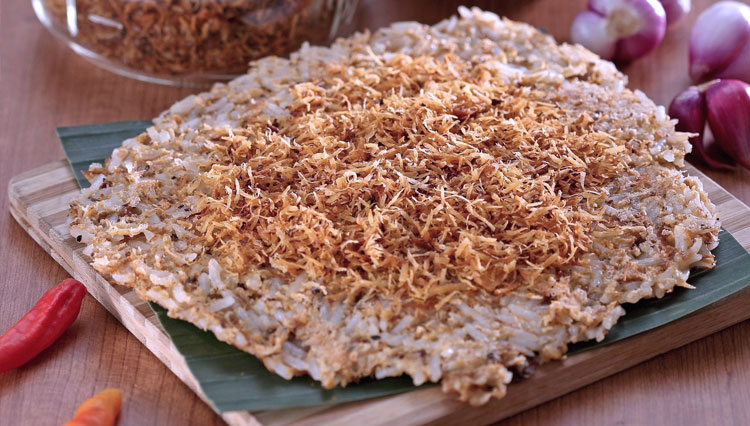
(148, 333)
(416, 407)
(694, 171)
(432, 406)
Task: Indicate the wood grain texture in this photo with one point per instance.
(39, 200)
(43, 85)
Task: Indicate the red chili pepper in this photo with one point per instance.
(42, 325)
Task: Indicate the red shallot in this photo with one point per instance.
(676, 9)
(622, 30)
(725, 106)
(728, 107)
(720, 42)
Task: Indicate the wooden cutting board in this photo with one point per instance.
(39, 202)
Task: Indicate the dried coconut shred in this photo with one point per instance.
(177, 37)
(412, 175)
(456, 203)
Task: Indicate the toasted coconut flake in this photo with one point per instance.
(455, 203)
(454, 182)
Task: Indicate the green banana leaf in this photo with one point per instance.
(235, 380)
(94, 143)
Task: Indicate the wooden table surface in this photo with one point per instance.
(43, 85)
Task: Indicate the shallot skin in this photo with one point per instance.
(689, 108)
(720, 43)
(589, 29)
(728, 108)
(675, 9)
(725, 106)
(620, 30)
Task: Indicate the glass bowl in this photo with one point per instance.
(189, 42)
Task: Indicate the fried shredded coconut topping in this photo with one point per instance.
(175, 37)
(415, 176)
(456, 203)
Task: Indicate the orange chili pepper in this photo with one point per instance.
(101, 409)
